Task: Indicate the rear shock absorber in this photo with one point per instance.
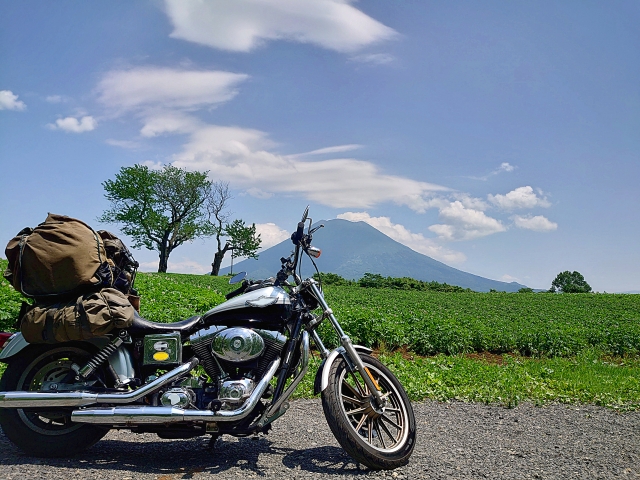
(101, 357)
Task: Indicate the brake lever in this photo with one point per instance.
(315, 229)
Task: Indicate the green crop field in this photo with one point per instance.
(491, 347)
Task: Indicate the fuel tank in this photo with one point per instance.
(267, 308)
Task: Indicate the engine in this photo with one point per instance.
(235, 358)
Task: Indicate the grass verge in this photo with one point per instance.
(583, 379)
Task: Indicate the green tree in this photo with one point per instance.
(159, 209)
(570, 282)
(242, 240)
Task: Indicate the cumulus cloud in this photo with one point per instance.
(242, 157)
(9, 101)
(171, 88)
(464, 223)
(242, 25)
(537, 223)
(521, 197)
(271, 234)
(399, 233)
(73, 125)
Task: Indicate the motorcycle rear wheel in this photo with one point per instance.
(45, 432)
(379, 439)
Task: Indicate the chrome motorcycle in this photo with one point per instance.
(230, 371)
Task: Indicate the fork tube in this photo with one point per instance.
(294, 341)
(347, 345)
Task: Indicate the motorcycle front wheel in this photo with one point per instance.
(45, 432)
(381, 439)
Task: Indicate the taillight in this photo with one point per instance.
(4, 337)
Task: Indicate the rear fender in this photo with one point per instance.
(322, 376)
(17, 344)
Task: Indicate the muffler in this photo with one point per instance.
(132, 415)
(20, 399)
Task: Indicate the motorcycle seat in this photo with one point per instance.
(142, 326)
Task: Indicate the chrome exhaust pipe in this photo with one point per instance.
(20, 399)
(131, 415)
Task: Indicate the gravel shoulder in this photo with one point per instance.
(455, 440)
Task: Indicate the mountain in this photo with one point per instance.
(352, 249)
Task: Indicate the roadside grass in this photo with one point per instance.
(586, 379)
(481, 347)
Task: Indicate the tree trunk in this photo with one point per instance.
(217, 260)
(164, 259)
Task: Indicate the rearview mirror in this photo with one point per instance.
(237, 278)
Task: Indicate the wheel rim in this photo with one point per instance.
(46, 369)
(385, 430)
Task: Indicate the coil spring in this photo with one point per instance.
(99, 358)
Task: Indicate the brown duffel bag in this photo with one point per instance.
(61, 256)
(91, 315)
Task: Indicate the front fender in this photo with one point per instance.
(322, 376)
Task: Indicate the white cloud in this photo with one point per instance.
(168, 122)
(521, 197)
(537, 223)
(508, 278)
(463, 223)
(56, 99)
(170, 88)
(184, 265)
(242, 25)
(374, 58)
(399, 233)
(153, 165)
(504, 167)
(241, 156)
(271, 234)
(335, 149)
(128, 144)
(9, 101)
(73, 125)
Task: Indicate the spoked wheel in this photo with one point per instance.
(46, 432)
(380, 438)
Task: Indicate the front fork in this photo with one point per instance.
(345, 341)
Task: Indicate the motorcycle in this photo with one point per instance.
(244, 359)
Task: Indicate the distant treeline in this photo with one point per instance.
(374, 280)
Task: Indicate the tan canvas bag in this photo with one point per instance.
(59, 256)
(91, 315)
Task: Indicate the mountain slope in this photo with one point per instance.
(352, 249)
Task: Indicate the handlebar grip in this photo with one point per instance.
(297, 236)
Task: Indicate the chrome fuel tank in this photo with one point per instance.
(267, 307)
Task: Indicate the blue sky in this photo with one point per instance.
(501, 138)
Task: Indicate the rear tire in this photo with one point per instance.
(380, 440)
(45, 432)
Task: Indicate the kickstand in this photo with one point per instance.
(213, 441)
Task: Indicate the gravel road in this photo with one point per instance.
(455, 440)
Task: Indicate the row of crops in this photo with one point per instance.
(425, 322)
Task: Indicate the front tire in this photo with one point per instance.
(45, 432)
(379, 439)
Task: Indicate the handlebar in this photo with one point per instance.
(238, 290)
